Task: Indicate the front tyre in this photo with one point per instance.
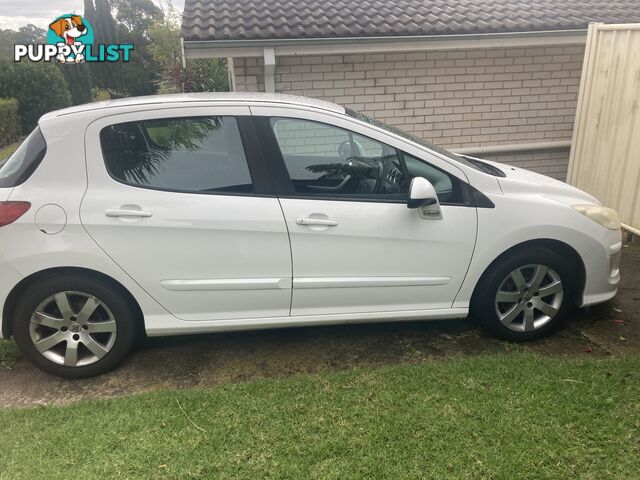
(525, 296)
(74, 326)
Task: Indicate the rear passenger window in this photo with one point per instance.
(21, 165)
(193, 155)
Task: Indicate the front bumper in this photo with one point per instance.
(602, 268)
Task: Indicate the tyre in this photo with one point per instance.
(525, 295)
(74, 326)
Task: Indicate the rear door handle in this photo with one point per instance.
(316, 221)
(127, 213)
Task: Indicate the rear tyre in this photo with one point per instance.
(525, 296)
(74, 326)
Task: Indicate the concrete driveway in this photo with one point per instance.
(208, 360)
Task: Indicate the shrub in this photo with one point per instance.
(209, 75)
(99, 95)
(38, 87)
(78, 80)
(9, 121)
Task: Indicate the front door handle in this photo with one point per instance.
(316, 221)
(127, 213)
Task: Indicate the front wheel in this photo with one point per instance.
(525, 296)
(74, 326)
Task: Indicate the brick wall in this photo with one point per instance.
(455, 98)
(553, 163)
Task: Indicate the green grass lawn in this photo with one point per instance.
(500, 417)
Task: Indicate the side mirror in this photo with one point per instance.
(423, 196)
(421, 193)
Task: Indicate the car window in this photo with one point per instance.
(420, 141)
(24, 161)
(195, 154)
(323, 160)
(447, 187)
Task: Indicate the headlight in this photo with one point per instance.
(607, 217)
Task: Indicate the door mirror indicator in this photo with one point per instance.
(423, 196)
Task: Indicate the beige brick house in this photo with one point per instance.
(494, 78)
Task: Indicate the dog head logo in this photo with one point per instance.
(72, 31)
(69, 28)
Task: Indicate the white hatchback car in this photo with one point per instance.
(218, 212)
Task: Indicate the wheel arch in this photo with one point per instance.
(564, 249)
(17, 291)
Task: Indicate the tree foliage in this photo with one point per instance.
(98, 14)
(104, 24)
(76, 76)
(137, 16)
(38, 87)
(198, 76)
(164, 36)
(79, 81)
(134, 18)
(156, 62)
(27, 35)
(124, 21)
(9, 121)
(89, 11)
(206, 75)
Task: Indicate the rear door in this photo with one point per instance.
(176, 198)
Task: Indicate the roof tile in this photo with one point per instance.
(290, 19)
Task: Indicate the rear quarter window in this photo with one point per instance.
(21, 165)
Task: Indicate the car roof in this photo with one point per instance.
(254, 98)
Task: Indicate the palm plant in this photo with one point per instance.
(198, 76)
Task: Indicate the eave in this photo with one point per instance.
(355, 45)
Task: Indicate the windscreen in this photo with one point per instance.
(413, 138)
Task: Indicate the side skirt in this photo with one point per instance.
(165, 325)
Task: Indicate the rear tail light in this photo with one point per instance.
(12, 211)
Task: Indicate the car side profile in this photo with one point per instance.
(218, 212)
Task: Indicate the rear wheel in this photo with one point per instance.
(74, 326)
(525, 296)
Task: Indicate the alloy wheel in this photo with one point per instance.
(529, 298)
(73, 329)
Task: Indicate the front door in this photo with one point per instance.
(356, 246)
(173, 198)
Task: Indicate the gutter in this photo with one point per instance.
(276, 42)
(337, 45)
(514, 148)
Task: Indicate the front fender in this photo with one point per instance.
(519, 219)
